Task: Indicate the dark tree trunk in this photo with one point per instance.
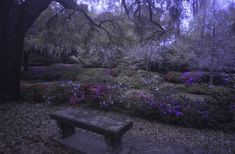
(10, 58)
(11, 45)
(15, 18)
(26, 61)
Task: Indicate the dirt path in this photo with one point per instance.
(27, 129)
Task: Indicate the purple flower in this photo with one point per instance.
(178, 113)
(74, 100)
(233, 107)
(191, 78)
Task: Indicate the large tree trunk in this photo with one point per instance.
(15, 18)
(11, 45)
(10, 57)
(26, 61)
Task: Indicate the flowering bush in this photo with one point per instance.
(65, 91)
(112, 72)
(174, 77)
(163, 108)
(103, 95)
(163, 105)
(213, 112)
(34, 92)
(223, 79)
(220, 108)
(191, 78)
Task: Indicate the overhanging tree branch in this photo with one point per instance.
(150, 5)
(139, 5)
(54, 17)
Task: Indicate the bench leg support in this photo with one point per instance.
(114, 144)
(65, 129)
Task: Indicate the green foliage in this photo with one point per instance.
(174, 77)
(71, 73)
(131, 81)
(135, 105)
(203, 89)
(34, 92)
(221, 110)
(59, 93)
(95, 75)
(45, 73)
(61, 35)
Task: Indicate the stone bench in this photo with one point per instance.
(111, 128)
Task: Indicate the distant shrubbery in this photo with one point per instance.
(103, 95)
(174, 77)
(196, 77)
(189, 78)
(46, 73)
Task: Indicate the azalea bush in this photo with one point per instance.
(213, 112)
(104, 96)
(64, 92)
(222, 107)
(34, 92)
(197, 77)
(174, 77)
(188, 78)
(223, 79)
(163, 104)
(168, 110)
(191, 78)
(99, 95)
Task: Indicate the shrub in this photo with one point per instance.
(133, 103)
(131, 82)
(94, 76)
(191, 78)
(105, 96)
(213, 112)
(64, 92)
(114, 72)
(34, 92)
(34, 73)
(45, 73)
(71, 73)
(95, 95)
(220, 108)
(203, 89)
(223, 79)
(174, 77)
